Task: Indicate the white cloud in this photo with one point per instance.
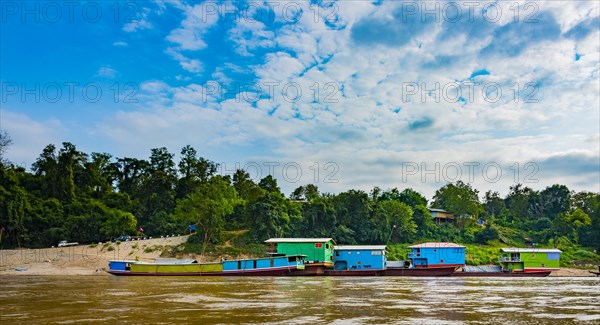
(29, 136)
(141, 22)
(120, 44)
(107, 72)
(191, 65)
(196, 23)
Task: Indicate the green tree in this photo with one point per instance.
(459, 199)
(207, 207)
(118, 223)
(194, 170)
(397, 224)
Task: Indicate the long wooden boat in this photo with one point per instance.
(272, 266)
(400, 271)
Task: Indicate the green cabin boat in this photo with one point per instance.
(530, 259)
(316, 250)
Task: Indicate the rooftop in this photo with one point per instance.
(360, 247)
(437, 210)
(298, 240)
(436, 245)
(530, 250)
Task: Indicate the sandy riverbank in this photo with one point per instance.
(81, 259)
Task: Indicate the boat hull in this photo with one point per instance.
(438, 271)
(258, 272)
(311, 269)
(353, 272)
(537, 274)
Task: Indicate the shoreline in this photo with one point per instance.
(92, 260)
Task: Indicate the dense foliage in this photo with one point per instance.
(72, 195)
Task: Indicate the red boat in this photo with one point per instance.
(438, 271)
(375, 272)
(535, 274)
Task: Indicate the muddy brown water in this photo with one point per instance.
(296, 300)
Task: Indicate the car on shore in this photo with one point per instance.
(122, 238)
(64, 243)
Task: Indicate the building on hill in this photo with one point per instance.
(441, 216)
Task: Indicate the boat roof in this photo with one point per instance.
(360, 247)
(437, 210)
(436, 245)
(161, 260)
(298, 240)
(530, 250)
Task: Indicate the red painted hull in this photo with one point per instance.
(536, 274)
(310, 270)
(438, 271)
(353, 273)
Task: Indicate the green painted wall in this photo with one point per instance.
(313, 254)
(535, 260)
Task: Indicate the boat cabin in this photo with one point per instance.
(429, 255)
(317, 250)
(296, 261)
(529, 259)
(359, 257)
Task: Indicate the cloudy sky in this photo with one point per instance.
(347, 94)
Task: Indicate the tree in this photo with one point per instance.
(353, 210)
(46, 167)
(397, 222)
(194, 170)
(5, 143)
(567, 224)
(589, 203)
(207, 207)
(269, 184)
(459, 199)
(269, 217)
(70, 164)
(550, 202)
(517, 202)
(118, 223)
(493, 204)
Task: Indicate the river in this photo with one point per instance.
(367, 300)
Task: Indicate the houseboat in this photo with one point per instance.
(318, 252)
(272, 266)
(529, 260)
(518, 262)
(435, 255)
(371, 260)
(358, 260)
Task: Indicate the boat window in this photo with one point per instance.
(553, 256)
(337, 253)
(239, 265)
(254, 263)
(318, 245)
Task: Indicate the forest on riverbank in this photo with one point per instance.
(75, 196)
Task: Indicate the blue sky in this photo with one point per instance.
(350, 94)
